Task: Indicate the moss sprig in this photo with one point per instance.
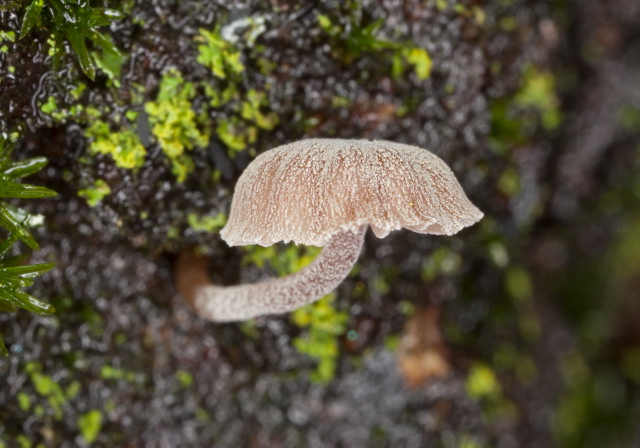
(14, 276)
(73, 20)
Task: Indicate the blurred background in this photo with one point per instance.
(521, 331)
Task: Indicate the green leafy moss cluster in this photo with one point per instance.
(46, 387)
(218, 55)
(14, 276)
(73, 21)
(483, 386)
(207, 224)
(124, 145)
(174, 122)
(243, 115)
(515, 119)
(322, 324)
(352, 40)
(95, 193)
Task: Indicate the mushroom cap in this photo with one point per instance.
(309, 190)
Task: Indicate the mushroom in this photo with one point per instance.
(325, 192)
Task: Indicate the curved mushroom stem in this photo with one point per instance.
(278, 295)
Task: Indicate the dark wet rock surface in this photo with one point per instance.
(162, 377)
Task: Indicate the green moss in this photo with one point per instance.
(74, 21)
(539, 91)
(443, 261)
(174, 122)
(96, 193)
(518, 284)
(9, 36)
(324, 325)
(49, 106)
(208, 224)
(356, 40)
(420, 60)
(113, 373)
(24, 441)
(110, 64)
(218, 98)
(629, 117)
(47, 388)
(123, 146)
(184, 378)
(482, 385)
(218, 55)
(235, 133)
(24, 401)
(630, 364)
(284, 260)
(509, 182)
(251, 110)
(90, 424)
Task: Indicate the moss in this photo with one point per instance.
(47, 388)
(324, 325)
(96, 193)
(49, 106)
(236, 134)
(174, 122)
(355, 40)
(218, 54)
(24, 401)
(482, 385)
(9, 36)
(629, 117)
(442, 261)
(284, 260)
(208, 224)
(518, 284)
(251, 110)
(184, 378)
(90, 425)
(538, 91)
(113, 373)
(74, 21)
(110, 64)
(123, 146)
(218, 98)
(420, 60)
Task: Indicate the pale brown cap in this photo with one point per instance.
(309, 190)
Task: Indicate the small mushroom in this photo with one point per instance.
(325, 192)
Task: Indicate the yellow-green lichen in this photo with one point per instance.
(96, 193)
(174, 122)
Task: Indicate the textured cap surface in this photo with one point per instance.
(307, 191)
